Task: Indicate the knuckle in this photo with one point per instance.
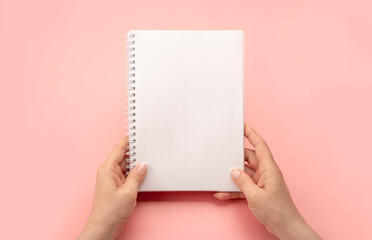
(264, 143)
(244, 183)
(134, 178)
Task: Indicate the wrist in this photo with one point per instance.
(95, 233)
(294, 227)
(98, 230)
(289, 228)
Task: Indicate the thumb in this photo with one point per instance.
(135, 177)
(244, 182)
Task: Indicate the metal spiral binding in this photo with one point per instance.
(131, 111)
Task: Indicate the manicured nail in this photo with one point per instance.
(141, 169)
(235, 173)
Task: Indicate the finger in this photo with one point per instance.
(250, 157)
(250, 171)
(135, 177)
(261, 148)
(244, 182)
(253, 137)
(228, 195)
(117, 154)
(254, 174)
(123, 164)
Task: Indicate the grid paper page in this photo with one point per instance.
(189, 108)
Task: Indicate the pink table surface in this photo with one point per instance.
(308, 91)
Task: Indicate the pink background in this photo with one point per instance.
(308, 87)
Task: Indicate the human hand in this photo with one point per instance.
(115, 196)
(268, 197)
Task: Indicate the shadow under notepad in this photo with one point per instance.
(176, 196)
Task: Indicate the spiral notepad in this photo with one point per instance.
(185, 108)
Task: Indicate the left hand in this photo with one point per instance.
(115, 196)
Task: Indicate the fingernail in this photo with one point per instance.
(235, 173)
(141, 169)
(215, 195)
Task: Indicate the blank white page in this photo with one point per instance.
(189, 108)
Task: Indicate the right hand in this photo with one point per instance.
(268, 197)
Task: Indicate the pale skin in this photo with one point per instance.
(114, 197)
(261, 184)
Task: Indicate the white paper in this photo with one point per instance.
(189, 108)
